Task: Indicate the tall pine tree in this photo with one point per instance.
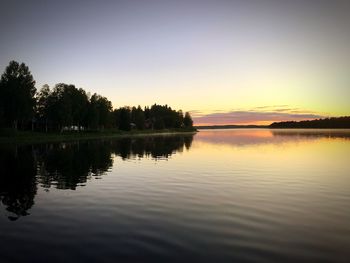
(17, 90)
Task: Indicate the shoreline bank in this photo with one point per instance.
(41, 137)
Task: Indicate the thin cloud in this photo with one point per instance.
(285, 110)
(262, 107)
(195, 111)
(271, 106)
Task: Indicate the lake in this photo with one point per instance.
(240, 195)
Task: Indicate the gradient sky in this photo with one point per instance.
(225, 61)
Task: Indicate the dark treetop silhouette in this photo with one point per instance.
(17, 101)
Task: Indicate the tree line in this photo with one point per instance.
(336, 122)
(65, 107)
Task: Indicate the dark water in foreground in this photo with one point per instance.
(220, 196)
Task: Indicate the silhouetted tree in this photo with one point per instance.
(93, 117)
(164, 117)
(99, 113)
(188, 120)
(104, 111)
(138, 117)
(43, 106)
(60, 106)
(67, 106)
(123, 116)
(179, 120)
(17, 89)
(156, 117)
(79, 102)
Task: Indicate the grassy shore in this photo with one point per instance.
(42, 137)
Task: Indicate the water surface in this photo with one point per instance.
(221, 195)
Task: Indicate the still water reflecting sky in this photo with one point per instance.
(224, 195)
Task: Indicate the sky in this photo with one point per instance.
(227, 62)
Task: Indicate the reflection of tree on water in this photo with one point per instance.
(312, 133)
(18, 186)
(155, 147)
(68, 165)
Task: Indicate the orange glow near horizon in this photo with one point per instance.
(262, 123)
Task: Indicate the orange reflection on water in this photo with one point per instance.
(284, 150)
(239, 137)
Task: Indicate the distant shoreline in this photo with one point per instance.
(327, 123)
(213, 127)
(41, 137)
(264, 127)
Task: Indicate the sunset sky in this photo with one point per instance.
(227, 62)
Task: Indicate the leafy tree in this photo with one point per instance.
(17, 88)
(43, 106)
(188, 120)
(93, 115)
(179, 119)
(64, 106)
(61, 106)
(79, 102)
(138, 117)
(123, 116)
(104, 110)
(99, 112)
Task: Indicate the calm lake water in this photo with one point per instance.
(219, 196)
